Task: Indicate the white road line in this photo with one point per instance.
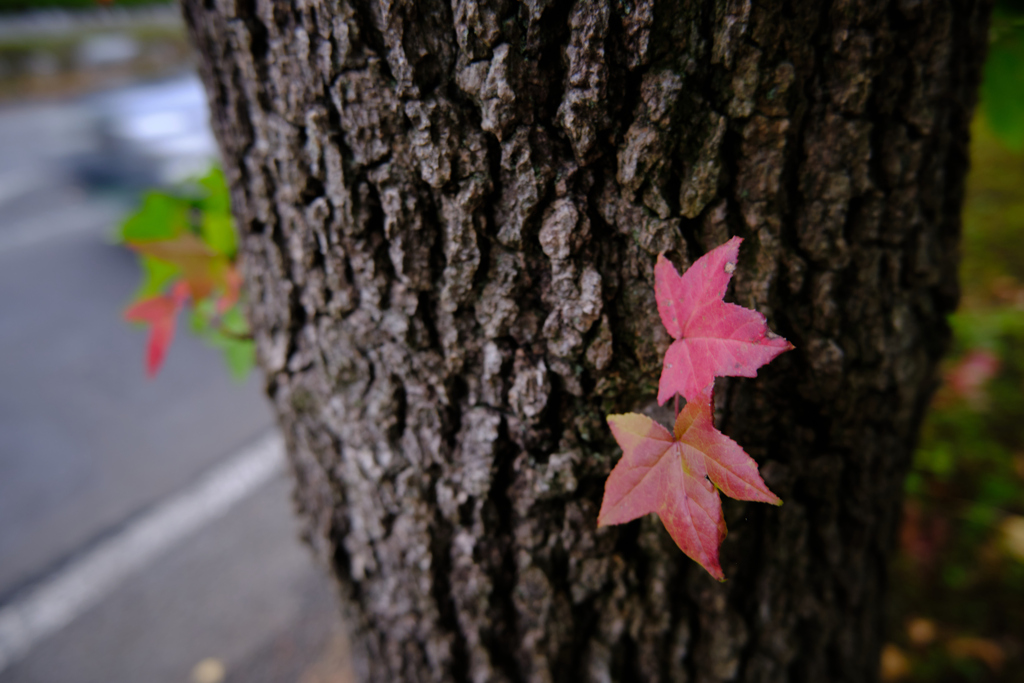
(72, 590)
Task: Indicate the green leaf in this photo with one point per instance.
(156, 276)
(987, 328)
(981, 516)
(938, 460)
(217, 199)
(160, 217)
(998, 490)
(1002, 87)
(955, 576)
(219, 233)
(202, 316)
(914, 484)
(233, 322)
(229, 333)
(240, 355)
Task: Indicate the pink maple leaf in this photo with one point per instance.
(712, 338)
(679, 476)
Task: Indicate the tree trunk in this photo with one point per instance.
(450, 215)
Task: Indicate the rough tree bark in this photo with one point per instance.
(450, 213)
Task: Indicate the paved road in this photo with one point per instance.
(240, 591)
(88, 445)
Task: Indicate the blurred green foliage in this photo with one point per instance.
(1002, 89)
(189, 235)
(230, 334)
(957, 600)
(961, 562)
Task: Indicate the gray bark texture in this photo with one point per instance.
(450, 213)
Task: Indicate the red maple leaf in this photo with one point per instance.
(712, 338)
(160, 313)
(679, 476)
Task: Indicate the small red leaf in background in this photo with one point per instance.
(713, 338)
(678, 476)
(160, 313)
(968, 377)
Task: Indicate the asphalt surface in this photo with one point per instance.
(88, 443)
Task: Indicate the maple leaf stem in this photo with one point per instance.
(676, 400)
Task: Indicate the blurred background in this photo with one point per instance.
(146, 531)
(103, 473)
(956, 610)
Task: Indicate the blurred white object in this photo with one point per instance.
(155, 134)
